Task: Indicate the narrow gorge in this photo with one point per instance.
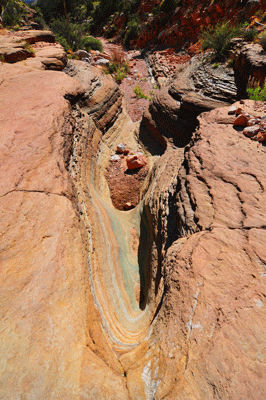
(163, 299)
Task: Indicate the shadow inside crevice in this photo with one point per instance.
(144, 257)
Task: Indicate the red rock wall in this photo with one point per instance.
(186, 22)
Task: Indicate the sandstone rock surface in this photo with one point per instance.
(164, 301)
(214, 304)
(40, 295)
(45, 344)
(37, 48)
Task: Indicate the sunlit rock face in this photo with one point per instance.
(165, 300)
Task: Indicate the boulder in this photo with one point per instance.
(251, 130)
(82, 54)
(241, 120)
(137, 160)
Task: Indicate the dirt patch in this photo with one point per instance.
(124, 184)
(137, 76)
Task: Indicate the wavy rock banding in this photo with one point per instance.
(163, 301)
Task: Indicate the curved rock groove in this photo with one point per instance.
(118, 266)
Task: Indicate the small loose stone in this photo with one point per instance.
(232, 110)
(115, 158)
(120, 148)
(241, 120)
(251, 130)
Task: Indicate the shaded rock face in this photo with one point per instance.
(164, 301)
(196, 88)
(249, 63)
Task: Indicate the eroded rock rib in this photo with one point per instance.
(224, 186)
(214, 300)
(197, 87)
(37, 48)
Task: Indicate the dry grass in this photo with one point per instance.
(118, 56)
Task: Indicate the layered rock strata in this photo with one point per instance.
(164, 301)
(195, 88)
(37, 48)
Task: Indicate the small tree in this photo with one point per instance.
(218, 38)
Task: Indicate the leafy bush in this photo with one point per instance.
(68, 35)
(102, 12)
(132, 31)
(109, 33)
(77, 9)
(262, 40)
(38, 18)
(218, 38)
(119, 76)
(11, 13)
(91, 43)
(130, 7)
(28, 47)
(250, 34)
(258, 94)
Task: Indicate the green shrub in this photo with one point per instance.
(28, 47)
(218, 38)
(63, 41)
(91, 43)
(250, 34)
(109, 33)
(119, 76)
(12, 13)
(139, 93)
(38, 18)
(262, 40)
(72, 57)
(258, 94)
(155, 10)
(69, 35)
(132, 31)
(102, 12)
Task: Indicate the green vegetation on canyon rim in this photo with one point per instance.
(218, 38)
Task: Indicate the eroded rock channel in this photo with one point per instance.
(165, 300)
(178, 204)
